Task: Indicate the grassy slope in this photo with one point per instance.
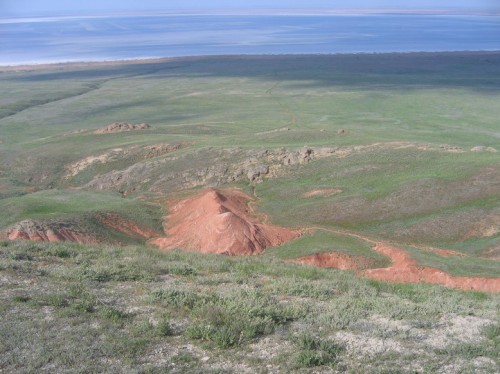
(226, 102)
(55, 202)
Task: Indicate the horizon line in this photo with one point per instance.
(262, 11)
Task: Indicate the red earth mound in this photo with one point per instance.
(336, 260)
(43, 232)
(220, 222)
(405, 270)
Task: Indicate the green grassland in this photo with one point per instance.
(412, 139)
(68, 307)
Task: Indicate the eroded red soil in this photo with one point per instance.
(336, 260)
(220, 222)
(406, 270)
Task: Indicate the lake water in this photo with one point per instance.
(115, 38)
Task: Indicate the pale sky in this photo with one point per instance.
(21, 8)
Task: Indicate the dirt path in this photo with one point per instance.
(289, 112)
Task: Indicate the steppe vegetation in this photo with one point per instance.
(353, 151)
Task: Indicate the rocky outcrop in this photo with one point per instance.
(121, 127)
(208, 167)
(119, 155)
(482, 148)
(48, 231)
(78, 230)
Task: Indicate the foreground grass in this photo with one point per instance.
(74, 308)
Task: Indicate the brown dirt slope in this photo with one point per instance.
(220, 222)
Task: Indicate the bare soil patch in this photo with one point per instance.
(220, 222)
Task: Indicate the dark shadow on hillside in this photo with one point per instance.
(471, 70)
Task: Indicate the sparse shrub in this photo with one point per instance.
(332, 348)
(309, 358)
(307, 342)
(22, 256)
(21, 299)
(257, 327)
(184, 358)
(57, 300)
(183, 270)
(176, 298)
(316, 352)
(94, 274)
(61, 252)
(163, 328)
(199, 331)
(85, 305)
(119, 273)
(113, 314)
(225, 337)
(478, 295)
(492, 332)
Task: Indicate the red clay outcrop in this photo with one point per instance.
(336, 260)
(220, 222)
(406, 270)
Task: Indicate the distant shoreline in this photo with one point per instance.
(157, 60)
(267, 12)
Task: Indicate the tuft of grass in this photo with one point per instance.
(316, 352)
(21, 299)
(164, 328)
(113, 314)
